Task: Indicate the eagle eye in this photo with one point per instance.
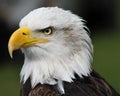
(47, 31)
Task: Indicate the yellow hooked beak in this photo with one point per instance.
(23, 38)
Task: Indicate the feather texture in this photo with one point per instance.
(93, 85)
(69, 51)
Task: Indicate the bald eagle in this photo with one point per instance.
(58, 55)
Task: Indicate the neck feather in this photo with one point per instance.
(51, 70)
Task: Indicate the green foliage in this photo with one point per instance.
(107, 58)
(9, 81)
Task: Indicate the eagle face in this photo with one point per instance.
(56, 45)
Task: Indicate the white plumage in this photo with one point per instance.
(68, 52)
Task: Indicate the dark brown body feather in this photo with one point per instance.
(93, 85)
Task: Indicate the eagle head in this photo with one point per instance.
(56, 46)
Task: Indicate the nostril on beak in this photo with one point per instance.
(24, 33)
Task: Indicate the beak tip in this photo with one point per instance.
(11, 56)
(10, 49)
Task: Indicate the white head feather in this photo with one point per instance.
(68, 53)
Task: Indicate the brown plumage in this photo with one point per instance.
(93, 85)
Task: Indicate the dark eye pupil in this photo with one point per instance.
(47, 31)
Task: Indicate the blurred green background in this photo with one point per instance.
(103, 19)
